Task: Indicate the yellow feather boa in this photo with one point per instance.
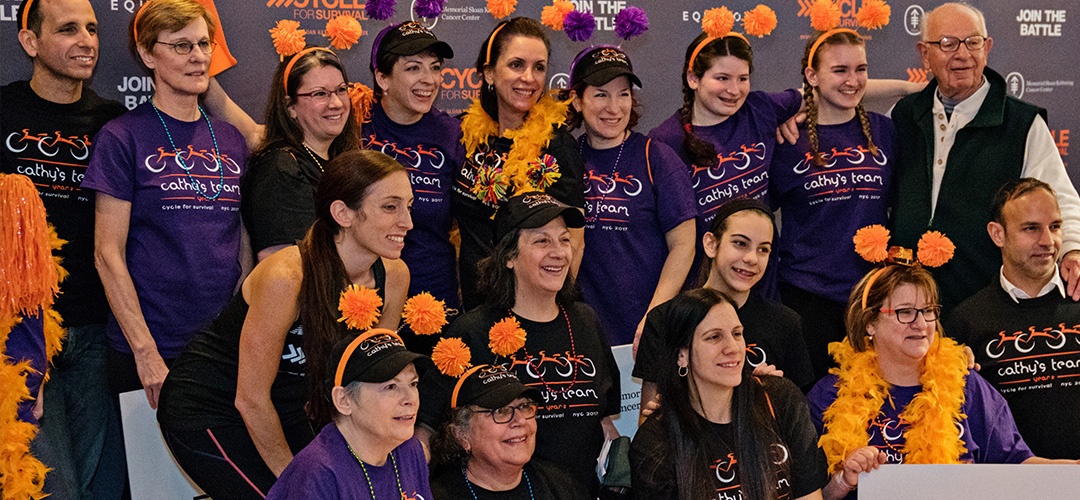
(33, 275)
(529, 140)
(932, 436)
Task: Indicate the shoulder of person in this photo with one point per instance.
(396, 270)
(282, 269)
(277, 156)
(669, 131)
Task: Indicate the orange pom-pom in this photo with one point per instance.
(874, 14)
(451, 356)
(552, 16)
(506, 337)
(424, 314)
(359, 306)
(824, 15)
(872, 243)
(935, 249)
(362, 99)
(759, 21)
(343, 31)
(288, 38)
(717, 22)
(501, 8)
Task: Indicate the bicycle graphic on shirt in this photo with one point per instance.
(1024, 342)
(725, 468)
(564, 364)
(605, 184)
(738, 159)
(854, 155)
(415, 157)
(188, 160)
(755, 355)
(49, 144)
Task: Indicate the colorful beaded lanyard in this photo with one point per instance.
(468, 483)
(183, 164)
(614, 170)
(371, 487)
(573, 355)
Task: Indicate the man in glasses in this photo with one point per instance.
(1023, 330)
(962, 138)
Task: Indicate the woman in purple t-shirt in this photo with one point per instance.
(406, 64)
(639, 206)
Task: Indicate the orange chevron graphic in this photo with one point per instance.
(804, 7)
(916, 75)
(278, 3)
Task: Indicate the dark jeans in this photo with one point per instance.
(80, 433)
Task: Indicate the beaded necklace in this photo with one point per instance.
(573, 355)
(314, 157)
(371, 487)
(183, 164)
(468, 483)
(614, 169)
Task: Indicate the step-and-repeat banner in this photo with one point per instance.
(1035, 47)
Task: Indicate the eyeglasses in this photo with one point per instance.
(505, 414)
(907, 315)
(322, 96)
(952, 44)
(184, 47)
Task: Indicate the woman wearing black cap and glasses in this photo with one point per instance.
(533, 325)
(368, 451)
(639, 204)
(406, 64)
(485, 449)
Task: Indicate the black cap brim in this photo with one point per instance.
(602, 76)
(422, 43)
(504, 394)
(389, 367)
(572, 216)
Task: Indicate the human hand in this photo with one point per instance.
(650, 408)
(789, 131)
(39, 404)
(1070, 272)
(970, 355)
(767, 369)
(637, 335)
(152, 373)
(865, 459)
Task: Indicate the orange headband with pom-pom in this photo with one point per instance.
(824, 36)
(296, 57)
(718, 23)
(872, 244)
(825, 16)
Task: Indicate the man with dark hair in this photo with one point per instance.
(1023, 330)
(962, 138)
(48, 124)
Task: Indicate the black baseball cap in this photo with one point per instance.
(406, 39)
(375, 356)
(490, 387)
(597, 66)
(532, 210)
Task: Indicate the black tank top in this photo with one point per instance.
(200, 391)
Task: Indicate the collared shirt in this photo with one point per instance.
(1041, 160)
(1016, 293)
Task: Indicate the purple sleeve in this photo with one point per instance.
(786, 103)
(112, 163)
(994, 437)
(418, 469)
(672, 184)
(820, 397)
(305, 480)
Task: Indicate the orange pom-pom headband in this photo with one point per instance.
(718, 23)
(825, 16)
(872, 244)
(296, 57)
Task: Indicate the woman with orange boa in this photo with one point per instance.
(903, 392)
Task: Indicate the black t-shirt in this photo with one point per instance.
(547, 483)
(576, 394)
(773, 334)
(652, 461)
(1030, 352)
(474, 216)
(278, 195)
(51, 144)
(200, 391)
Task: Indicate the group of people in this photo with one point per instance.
(208, 256)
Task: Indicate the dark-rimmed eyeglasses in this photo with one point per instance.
(185, 47)
(907, 315)
(952, 44)
(506, 414)
(322, 96)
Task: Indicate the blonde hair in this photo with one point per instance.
(885, 281)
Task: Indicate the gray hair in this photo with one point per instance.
(925, 21)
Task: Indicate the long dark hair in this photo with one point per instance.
(751, 420)
(282, 128)
(841, 38)
(702, 153)
(518, 26)
(497, 282)
(348, 178)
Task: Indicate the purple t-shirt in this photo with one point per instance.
(431, 151)
(182, 248)
(327, 470)
(26, 342)
(744, 147)
(823, 207)
(989, 432)
(630, 204)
